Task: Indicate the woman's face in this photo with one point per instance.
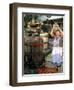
(57, 33)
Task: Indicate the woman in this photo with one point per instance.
(57, 43)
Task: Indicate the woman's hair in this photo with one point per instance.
(57, 31)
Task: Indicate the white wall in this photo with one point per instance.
(4, 45)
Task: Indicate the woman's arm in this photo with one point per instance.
(51, 33)
(61, 32)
